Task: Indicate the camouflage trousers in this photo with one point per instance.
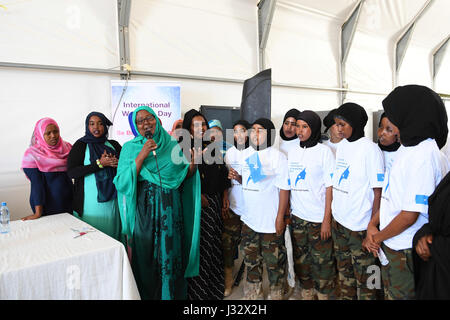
(352, 263)
(398, 275)
(313, 258)
(264, 248)
(231, 236)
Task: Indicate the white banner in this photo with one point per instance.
(162, 97)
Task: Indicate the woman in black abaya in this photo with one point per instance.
(431, 256)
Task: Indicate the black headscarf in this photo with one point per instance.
(269, 126)
(291, 113)
(355, 116)
(419, 113)
(213, 176)
(103, 178)
(390, 148)
(189, 116)
(247, 126)
(328, 121)
(187, 121)
(313, 121)
(432, 278)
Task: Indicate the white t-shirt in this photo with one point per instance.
(388, 159)
(333, 146)
(359, 169)
(285, 145)
(263, 174)
(233, 160)
(310, 171)
(446, 149)
(414, 175)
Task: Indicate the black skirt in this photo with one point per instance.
(209, 284)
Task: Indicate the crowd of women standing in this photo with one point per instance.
(320, 212)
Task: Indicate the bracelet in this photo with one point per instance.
(99, 164)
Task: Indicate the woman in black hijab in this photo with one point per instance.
(310, 167)
(357, 182)
(209, 284)
(314, 123)
(232, 217)
(388, 140)
(333, 138)
(420, 120)
(92, 163)
(266, 192)
(432, 242)
(270, 134)
(288, 136)
(287, 131)
(356, 118)
(419, 113)
(243, 126)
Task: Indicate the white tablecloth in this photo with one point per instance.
(41, 259)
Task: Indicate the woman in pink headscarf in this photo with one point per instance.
(45, 165)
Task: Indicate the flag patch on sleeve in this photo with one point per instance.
(421, 199)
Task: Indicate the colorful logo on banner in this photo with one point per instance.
(127, 96)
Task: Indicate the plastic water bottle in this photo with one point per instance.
(4, 218)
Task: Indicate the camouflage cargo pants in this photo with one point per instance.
(398, 275)
(352, 263)
(264, 248)
(231, 236)
(313, 258)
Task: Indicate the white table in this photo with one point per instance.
(41, 259)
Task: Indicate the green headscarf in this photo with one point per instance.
(173, 167)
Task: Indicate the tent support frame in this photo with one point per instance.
(347, 33)
(266, 9)
(436, 58)
(402, 43)
(124, 9)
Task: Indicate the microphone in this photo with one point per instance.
(148, 134)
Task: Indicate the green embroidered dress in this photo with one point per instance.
(162, 222)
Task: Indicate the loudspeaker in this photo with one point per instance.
(256, 96)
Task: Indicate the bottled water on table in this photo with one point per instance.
(4, 218)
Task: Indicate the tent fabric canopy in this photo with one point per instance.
(200, 40)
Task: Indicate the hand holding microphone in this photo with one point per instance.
(150, 144)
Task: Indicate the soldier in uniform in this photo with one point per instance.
(311, 165)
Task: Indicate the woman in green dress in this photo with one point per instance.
(92, 163)
(159, 201)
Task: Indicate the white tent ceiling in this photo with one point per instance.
(210, 47)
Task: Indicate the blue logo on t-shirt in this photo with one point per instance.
(344, 175)
(387, 185)
(301, 176)
(254, 165)
(421, 199)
